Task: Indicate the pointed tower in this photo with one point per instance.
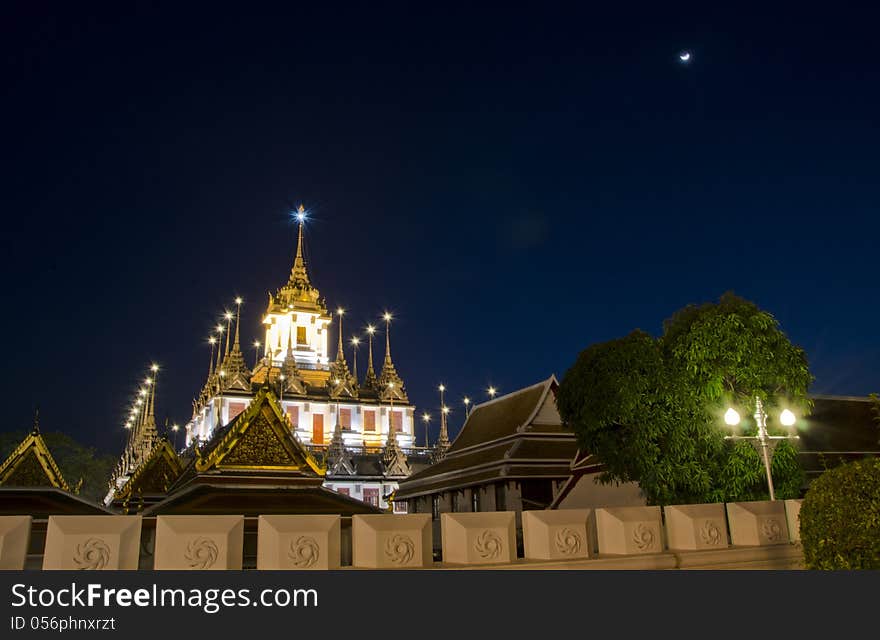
(341, 382)
(236, 374)
(394, 462)
(442, 445)
(297, 314)
(299, 275)
(339, 460)
(371, 382)
(390, 384)
(148, 436)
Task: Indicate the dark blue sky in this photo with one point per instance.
(513, 185)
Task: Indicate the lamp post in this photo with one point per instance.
(175, 429)
(492, 391)
(763, 442)
(467, 406)
(256, 353)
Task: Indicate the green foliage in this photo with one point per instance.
(75, 460)
(651, 408)
(840, 518)
(875, 408)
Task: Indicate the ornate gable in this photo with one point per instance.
(155, 475)
(259, 439)
(31, 465)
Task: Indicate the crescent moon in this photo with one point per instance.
(685, 56)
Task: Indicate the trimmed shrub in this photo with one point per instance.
(840, 518)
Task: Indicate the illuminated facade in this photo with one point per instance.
(361, 431)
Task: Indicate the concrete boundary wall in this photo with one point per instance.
(688, 542)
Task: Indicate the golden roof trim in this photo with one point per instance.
(34, 440)
(228, 441)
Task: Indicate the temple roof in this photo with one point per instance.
(155, 475)
(42, 502)
(519, 435)
(31, 465)
(258, 441)
(209, 498)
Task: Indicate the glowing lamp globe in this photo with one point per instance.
(787, 418)
(731, 417)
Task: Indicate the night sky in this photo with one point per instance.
(512, 185)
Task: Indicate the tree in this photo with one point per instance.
(75, 460)
(651, 408)
(875, 409)
(840, 515)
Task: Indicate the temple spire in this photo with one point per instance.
(213, 341)
(341, 382)
(155, 370)
(390, 383)
(219, 350)
(36, 428)
(237, 346)
(150, 433)
(387, 318)
(370, 379)
(235, 374)
(228, 316)
(299, 275)
(339, 353)
(355, 341)
(442, 445)
(394, 461)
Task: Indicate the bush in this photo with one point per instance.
(840, 518)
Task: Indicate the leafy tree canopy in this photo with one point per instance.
(840, 516)
(651, 408)
(75, 460)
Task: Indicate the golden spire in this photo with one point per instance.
(390, 383)
(219, 350)
(443, 438)
(36, 428)
(155, 370)
(339, 353)
(213, 341)
(355, 341)
(387, 317)
(228, 316)
(370, 380)
(299, 276)
(238, 301)
(341, 380)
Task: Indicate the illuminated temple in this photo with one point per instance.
(301, 418)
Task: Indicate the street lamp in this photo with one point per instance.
(467, 406)
(175, 429)
(256, 352)
(763, 442)
(491, 391)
